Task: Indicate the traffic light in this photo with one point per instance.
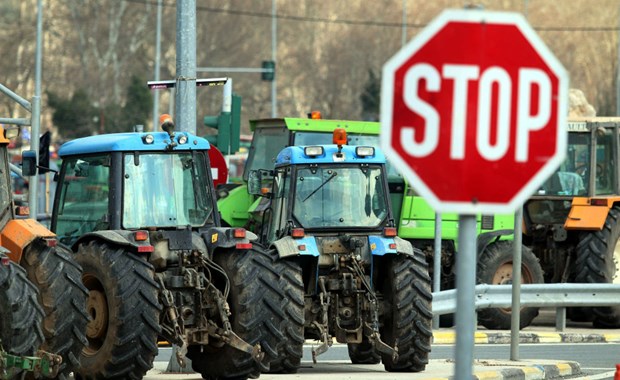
(271, 74)
(228, 125)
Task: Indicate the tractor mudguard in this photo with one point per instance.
(223, 237)
(118, 237)
(287, 246)
(19, 233)
(380, 246)
(486, 238)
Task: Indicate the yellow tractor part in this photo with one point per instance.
(18, 233)
(589, 213)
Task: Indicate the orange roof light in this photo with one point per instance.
(340, 136)
(315, 115)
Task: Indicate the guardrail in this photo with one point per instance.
(559, 296)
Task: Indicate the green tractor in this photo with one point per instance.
(139, 212)
(356, 282)
(415, 219)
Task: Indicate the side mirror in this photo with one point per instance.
(29, 163)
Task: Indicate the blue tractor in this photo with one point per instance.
(139, 212)
(328, 214)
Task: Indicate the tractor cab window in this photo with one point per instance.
(266, 144)
(5, 197)
(336, 197)
(281, 187)
(574, 175)
(166, 190)
(83, 203)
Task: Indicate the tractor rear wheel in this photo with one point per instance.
(598, 261)
(407, 324)
(20, 313)
(265, 309)
(124, 310)
(495, 268)
(63, 298)
(363, 353)
(290, 315)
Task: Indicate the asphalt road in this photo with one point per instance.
(597, 359)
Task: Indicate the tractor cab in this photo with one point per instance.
(132, 181)
(327, 189)
(589, 171)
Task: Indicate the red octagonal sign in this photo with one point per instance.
(473, 111)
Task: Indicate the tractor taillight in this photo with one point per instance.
(389, 231)
(301, 247)
(392, 245)
(243, 246)
(22, 211)
(598, 202)
(146, 248)
(141, 235)
(50, 242)
(5, 260)
(239, 232)
(298, 233)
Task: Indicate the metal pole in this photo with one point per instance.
(157, 63)
(618, 74)
(274, 34)
(437, 263)
(465, 298)
(186, 66)
(404, 24)
(36, 111)
(515, 317)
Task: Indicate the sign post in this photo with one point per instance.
(473, 112)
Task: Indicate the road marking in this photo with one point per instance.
(604, 375)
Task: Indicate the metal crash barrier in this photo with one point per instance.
(559, 296)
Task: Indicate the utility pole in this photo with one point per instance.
(186, 66)
(157, 63)
(274, 32)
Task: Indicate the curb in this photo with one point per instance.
(520, 370)
(449, 337)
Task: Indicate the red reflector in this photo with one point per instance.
(51, 242)
(141, 235)
(22, 210)
(598, 202)
(301, 247)
(389, 231)
(392, 245)
(298, 233)
(5, 261)
(145, 248)
(243, 246)
(239, 232)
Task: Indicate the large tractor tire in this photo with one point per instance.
(63, 297)
(598, 261)
(290, 314)
(407, 323)
(124, 310)
(363, 353)
(265, 309)
(20, 313)
(495, 268)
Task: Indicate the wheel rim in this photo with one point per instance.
(615, 279)
(503, 276)
(97, 308)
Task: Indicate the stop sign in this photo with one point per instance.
(219, 169)
(473, 111)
